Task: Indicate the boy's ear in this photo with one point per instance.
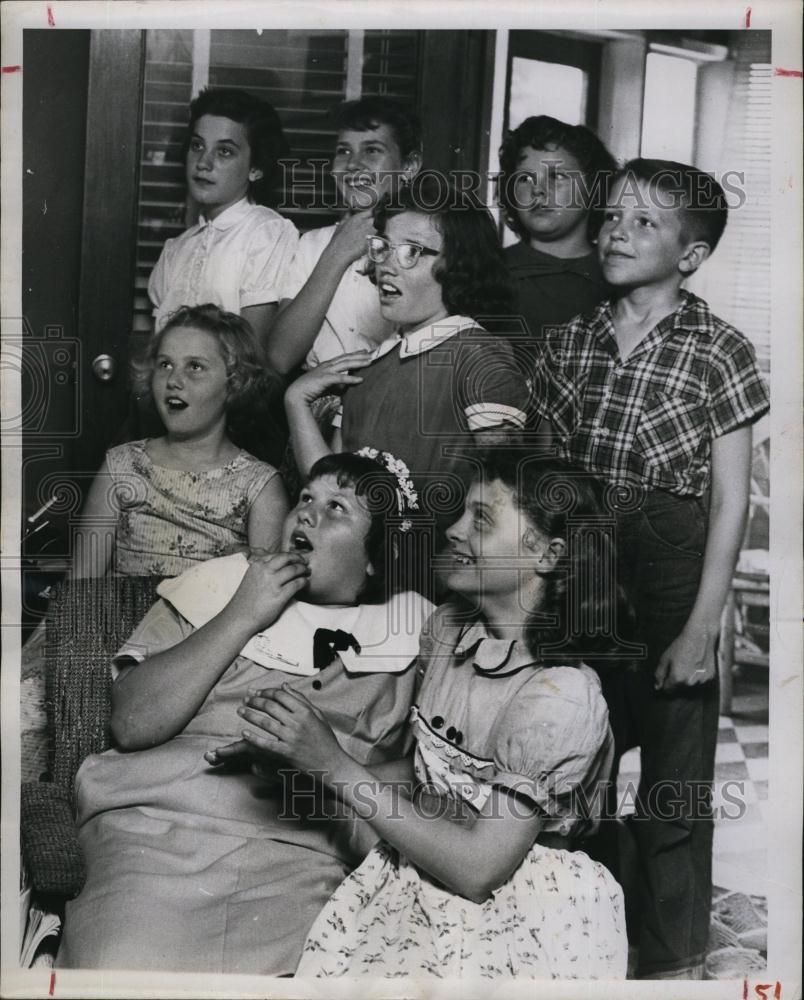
(411, 165)
(693, 256)
(255, 174)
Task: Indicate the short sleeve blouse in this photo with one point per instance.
(237, 260)
(425, 394)
(353, 321)
(488, 716)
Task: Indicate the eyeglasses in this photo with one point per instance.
(406, 253)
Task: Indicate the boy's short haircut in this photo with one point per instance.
(369, 113)
(543, 132)
(264, 130)
(697, 194)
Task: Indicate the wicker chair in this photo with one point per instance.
(87, 622)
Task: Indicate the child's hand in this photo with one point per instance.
(349, 241)
(289, 725)
(241, 752)
(270, 581)
(688, 660)
(326, 376)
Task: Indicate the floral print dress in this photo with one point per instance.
(169, 519)
(487, 717)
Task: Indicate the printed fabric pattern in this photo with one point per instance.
(169, 520)
(560, 915)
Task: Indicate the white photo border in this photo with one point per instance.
(783, 18)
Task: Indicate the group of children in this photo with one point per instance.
(440, 425)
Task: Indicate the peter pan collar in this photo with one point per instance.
(228, 218)
(426, 337)
(388, 634)
(491, 656)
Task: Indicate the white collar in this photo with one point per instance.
(227, 218)
(388, 633)
(426, 337)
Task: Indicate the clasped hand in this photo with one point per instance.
(350, 235)
(689, 660)
(287, 725)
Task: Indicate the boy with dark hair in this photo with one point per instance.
(552, 180)
(656, 395)
(237, 254)
(329, 307)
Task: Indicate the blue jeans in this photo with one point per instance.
(660, 555)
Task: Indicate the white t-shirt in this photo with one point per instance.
(236, 260)
(353, 321)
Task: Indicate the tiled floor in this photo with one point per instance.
(740, 792)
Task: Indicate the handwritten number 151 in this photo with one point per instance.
(761, 990)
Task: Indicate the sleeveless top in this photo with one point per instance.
(169, 520)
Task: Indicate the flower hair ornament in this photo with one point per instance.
(406, 496)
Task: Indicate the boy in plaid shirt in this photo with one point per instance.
(656, 395)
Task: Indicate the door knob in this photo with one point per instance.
(103, 368)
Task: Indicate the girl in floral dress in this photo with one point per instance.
(160, 506)
(476, 874)
(191, 495)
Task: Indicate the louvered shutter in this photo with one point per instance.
(737, 280)
(302, 73)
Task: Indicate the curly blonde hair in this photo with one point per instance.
(247, 371)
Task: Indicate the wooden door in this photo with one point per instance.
(81, 126)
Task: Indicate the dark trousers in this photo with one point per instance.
(660, 554)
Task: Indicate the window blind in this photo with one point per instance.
(302, 73)
(738, 282)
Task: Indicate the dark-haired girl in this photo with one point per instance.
(238, 253)
(199, 868)
(477, 875)
(425, 394)
(552, 178)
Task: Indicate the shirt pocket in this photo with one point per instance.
(671, 428)
(566, 390)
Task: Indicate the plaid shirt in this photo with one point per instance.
(650, 419)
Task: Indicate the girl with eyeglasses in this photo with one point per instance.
(442, 387)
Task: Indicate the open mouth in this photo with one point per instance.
(360, 181)
(462, 560)
(389, 291)
(299, 542)
(174, 404)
